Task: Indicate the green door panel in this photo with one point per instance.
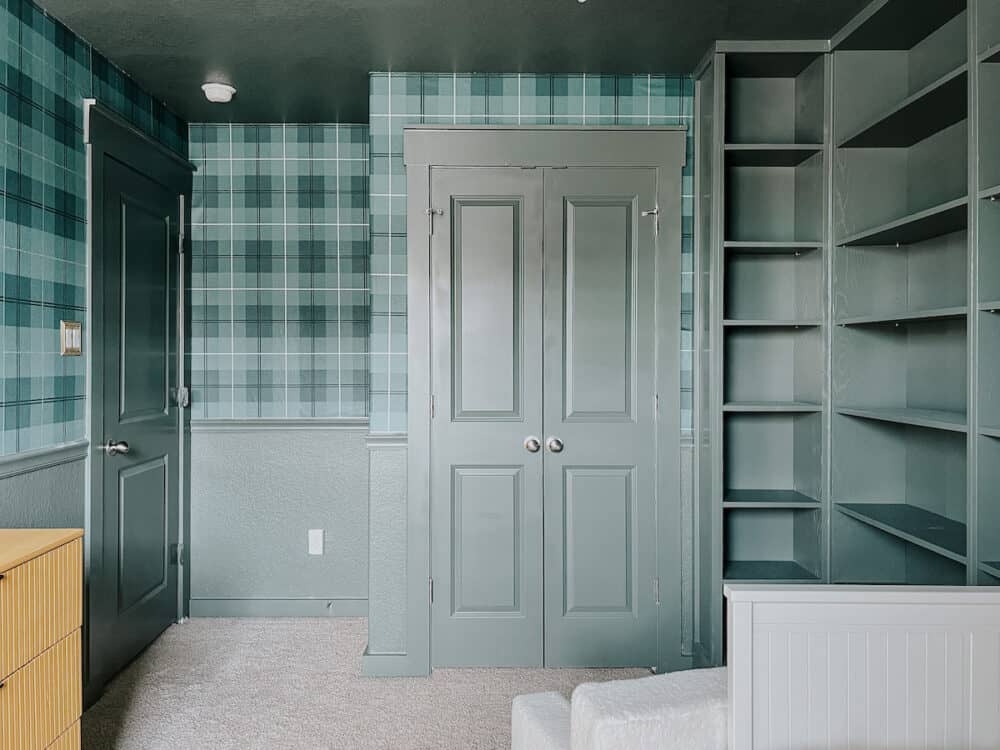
(486, 488)
(600, 502)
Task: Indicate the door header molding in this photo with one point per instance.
(544, 146)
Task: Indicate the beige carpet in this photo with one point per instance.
(297, 683)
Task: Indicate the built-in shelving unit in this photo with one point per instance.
(851, 304)
(900, 280)
(772, 317)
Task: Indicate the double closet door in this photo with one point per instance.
(543, 467)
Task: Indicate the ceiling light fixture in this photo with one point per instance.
(218, 93)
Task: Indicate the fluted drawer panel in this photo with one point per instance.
(40, 604)
(68, 740)
(42, 699)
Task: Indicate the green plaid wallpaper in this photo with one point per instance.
(45, 74)
(398, 99)
(279, 290)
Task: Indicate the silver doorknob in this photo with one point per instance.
(532, 444)
(554, 444)
(116, 448)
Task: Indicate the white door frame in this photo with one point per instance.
(661, 148)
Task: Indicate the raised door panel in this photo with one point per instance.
(487, 516)
(145, 259)
(144, 546)
(598, 526)
(486, 301)
(599, 308)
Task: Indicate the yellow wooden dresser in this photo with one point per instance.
(41, 611)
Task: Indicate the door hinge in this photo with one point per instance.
(433, 406)
(431, 213)
(182, 396)
(177, 554)
(656, 590)
(180, 228)
(656, 403)
(430, 590)
(655, 213)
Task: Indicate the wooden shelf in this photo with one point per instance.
(992, 55)
(766, 570)
(767, 248)
(935, 419)
(771, 407)
(912, 524)
(930, 110)
(770, 154)
(771, 323)
(917, 316)
(768, 499)
(923, 225)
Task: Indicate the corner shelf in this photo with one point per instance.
(916, 316)
(783, 247)
(991, 567)
(899, 24)
(990, 307)
(993, 432)
(768, 499)
(992, 55)
(935, 419)
(923, 225)
(912, 524)
(926, 112)
(990, 193)
(770, 154)
(771, 323)
(768, 571)
(771, 407)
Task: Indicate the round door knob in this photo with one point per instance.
(532, 444)
(554, 444)
(116, 448)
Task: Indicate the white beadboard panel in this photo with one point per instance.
(837, 668)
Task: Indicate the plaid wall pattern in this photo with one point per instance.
(45, 74)
(399, 99)
(279, 289)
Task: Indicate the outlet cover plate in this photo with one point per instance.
(315, 541)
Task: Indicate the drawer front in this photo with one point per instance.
(68, 740)
(42, 699)
(41, 602)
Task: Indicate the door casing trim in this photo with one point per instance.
(107, 133)
(425, 147)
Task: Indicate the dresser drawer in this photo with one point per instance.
(68, 740)
(40, 604)
(43, 699)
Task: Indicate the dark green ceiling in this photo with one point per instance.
(307, 60)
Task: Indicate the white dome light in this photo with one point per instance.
(218, 93)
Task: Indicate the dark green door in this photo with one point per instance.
(138, 450)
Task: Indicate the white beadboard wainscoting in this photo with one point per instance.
(839, 667)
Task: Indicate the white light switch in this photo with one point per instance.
(70, 338)
(315, 541)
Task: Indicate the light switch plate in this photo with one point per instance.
(70, 338)
(315, 541)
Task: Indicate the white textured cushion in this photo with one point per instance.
(540, 721)
(677, 711)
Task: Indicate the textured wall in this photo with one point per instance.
(51, 497)
(279, 289)
(387, 555)
(45, 74)
(254, 495)
(400, 99)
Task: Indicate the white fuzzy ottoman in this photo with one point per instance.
(677, 711)
(540, 721)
